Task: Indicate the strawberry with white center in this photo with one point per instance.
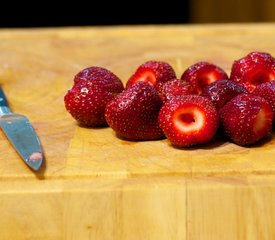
(246, 119)
(188, 120)
(156, 73)
(201, 74)
(253, 69)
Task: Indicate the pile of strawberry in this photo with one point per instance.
(188, 111)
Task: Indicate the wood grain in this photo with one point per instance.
(94, 185)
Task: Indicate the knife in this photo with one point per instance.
(21, 134)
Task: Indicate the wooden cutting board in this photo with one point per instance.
(94, 185)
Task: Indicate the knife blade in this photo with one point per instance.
(21, 134)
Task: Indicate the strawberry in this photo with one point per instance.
(253, 69)
(153, 72)
(175, 87)
(246, 119)
(220, 92)
(201, 74)
(88, 97)
(267, 91)
(188, 120)
(133, 114)
(98, 76)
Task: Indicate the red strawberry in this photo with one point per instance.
(202, 74)
(99, 76)
(175, 87)
(246, 119)
(254, 69)
(88, 97)
(188, 120)
(153, 72)
(267, 91)
(220, 92)
(133, 114)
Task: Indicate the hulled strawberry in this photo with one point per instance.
(220, 92)
(133, 114)
(88, 97)
(253, 69)
(175, 87)
(267, 91)
(201, 74)
(246, 119)
(188, 120)
(156, 73)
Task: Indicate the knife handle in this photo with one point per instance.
(3, 99)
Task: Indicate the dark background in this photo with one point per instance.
(84, 13)
(39, 13)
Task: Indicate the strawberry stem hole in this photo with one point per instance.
(260, 77)
(205, 79)
(187, 118)
(147, 77)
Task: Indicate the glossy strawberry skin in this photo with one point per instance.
(175, 87)
(246, 119)
(156, 73)
(133, 114)
(253, 69)
(188, 120)
(87, 99)
(220, 92)
(201, 74)
(267, 91)
(99, 76)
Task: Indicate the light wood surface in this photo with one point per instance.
(94, 185)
